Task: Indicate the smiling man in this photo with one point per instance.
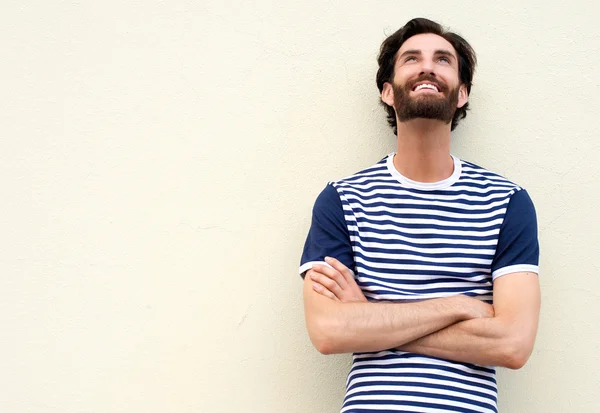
(423, 265)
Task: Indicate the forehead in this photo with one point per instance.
(427, 43)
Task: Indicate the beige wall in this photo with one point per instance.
(159, 161)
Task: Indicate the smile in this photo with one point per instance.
(427, 86)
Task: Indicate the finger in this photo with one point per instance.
(326, 282)
(332, 273)
(324, 291)
(341, 268)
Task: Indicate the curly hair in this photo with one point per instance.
(390, 46)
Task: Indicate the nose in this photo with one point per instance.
(427, 67)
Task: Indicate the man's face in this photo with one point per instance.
(426, 83)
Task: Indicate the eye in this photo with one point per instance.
(444, 59)
(409, 58)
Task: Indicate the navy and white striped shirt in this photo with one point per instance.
(407, 240)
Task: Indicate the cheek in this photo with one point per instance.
(404, 74)
(449, 76)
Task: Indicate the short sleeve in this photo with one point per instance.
(518, 248)
(328, 234)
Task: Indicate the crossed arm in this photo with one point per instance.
(459, 328)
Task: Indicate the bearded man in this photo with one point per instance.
(423, 265)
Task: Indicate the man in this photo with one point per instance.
(404, 259)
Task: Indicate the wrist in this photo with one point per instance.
(462, 308)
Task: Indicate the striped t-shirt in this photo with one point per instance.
(407, 240)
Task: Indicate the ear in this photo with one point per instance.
(463, 96)
(387, 94)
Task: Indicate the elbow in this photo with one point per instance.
(325, 347)
(516, 353)
(515, 361)
(323, 337)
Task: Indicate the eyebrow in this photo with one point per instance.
(447, 53)
(439, 52)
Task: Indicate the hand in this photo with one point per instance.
(477, 308)
(336, 283)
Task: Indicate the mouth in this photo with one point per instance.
(426, 87)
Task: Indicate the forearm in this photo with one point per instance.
(505, 340)
(483, 341)
(336, 327)
(358, 327)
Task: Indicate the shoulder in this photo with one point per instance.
(327, 198)
(476, 172)
(374, 173)
(516, 198)
(477, 175)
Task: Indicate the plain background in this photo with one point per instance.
(159, 161)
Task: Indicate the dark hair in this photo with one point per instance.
(466, 61)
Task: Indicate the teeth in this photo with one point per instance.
(426, 86)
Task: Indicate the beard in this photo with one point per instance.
(427, 106)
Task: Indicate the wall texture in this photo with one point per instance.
(159, 161)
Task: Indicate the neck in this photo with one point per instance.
(423, 153)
